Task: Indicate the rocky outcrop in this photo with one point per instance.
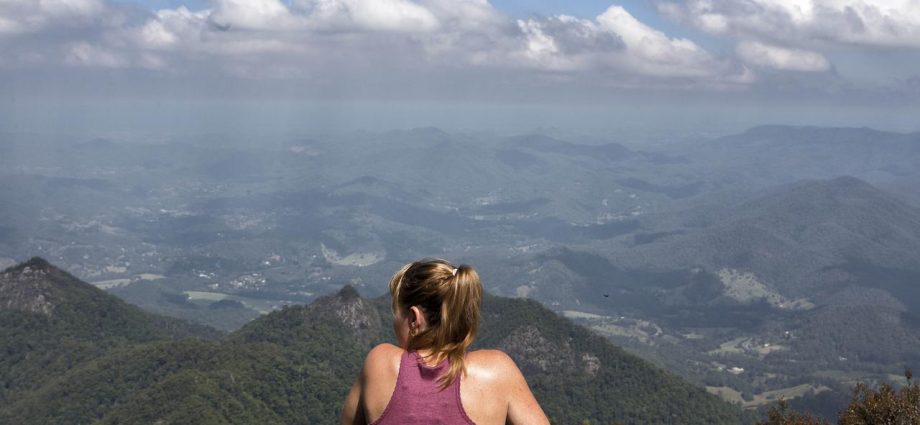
(356, 313)
(28, 287)
(534, 352)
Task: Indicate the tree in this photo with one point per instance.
(780, 414)
(885, 405)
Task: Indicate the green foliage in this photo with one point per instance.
(884, 405)
(782, 415)
(96, 360)
(85, 323)
(623, 388)
(868, 406)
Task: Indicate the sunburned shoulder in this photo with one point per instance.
(490, 365)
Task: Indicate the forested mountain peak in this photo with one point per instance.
(356, 313)
(33, 286)
(844, 200)
(345, 313)
(84, 311)
(812, 133)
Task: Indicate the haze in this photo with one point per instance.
(727, 187)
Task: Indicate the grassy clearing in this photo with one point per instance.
(851, 378)
(112, 283)
(206, 296)
(574, 314)
(767, 397)
(642, 330)
(735, 346)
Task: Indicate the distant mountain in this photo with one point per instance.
(827, 269)
(768, 155)
(800, 239)
(367, 184)
(810, 135)
(541, 143)
(295, 365)
(814, 283)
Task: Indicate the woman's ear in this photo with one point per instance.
(417, 318)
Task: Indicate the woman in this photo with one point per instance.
(430, 378)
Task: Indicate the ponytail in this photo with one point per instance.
(462, 297)
(450, 298)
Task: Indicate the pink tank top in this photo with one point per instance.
(417, 398)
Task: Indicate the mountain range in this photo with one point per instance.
(758, 264)
(72, 354)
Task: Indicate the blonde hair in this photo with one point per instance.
(450, 298)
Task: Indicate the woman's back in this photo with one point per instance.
(491, 392)
(418, 398)
(436, 315)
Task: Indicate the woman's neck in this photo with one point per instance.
(429, 357)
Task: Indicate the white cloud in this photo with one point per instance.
(85, 54)
(322, 39)
(781, 58)
(889, 23)
(468, 14)
(615, 45)
(250, 14)
(29, 16)
(653, 52)
(624, 51)
(374, 15)
(541, 50)
(170, 29)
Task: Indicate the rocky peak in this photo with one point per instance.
(34, 264)
(28, 287)
(348, 292)
(356, 313)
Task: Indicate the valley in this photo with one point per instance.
(777, 262)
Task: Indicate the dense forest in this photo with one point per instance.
(72, 354)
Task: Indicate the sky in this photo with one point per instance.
(511, 65)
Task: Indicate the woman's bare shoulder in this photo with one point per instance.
(383, 358)
(489, 356)
(493, 365)
(384, 350)
(494, 373)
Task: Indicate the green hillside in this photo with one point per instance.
(578, 375)
(291, 366)
(51, 322)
